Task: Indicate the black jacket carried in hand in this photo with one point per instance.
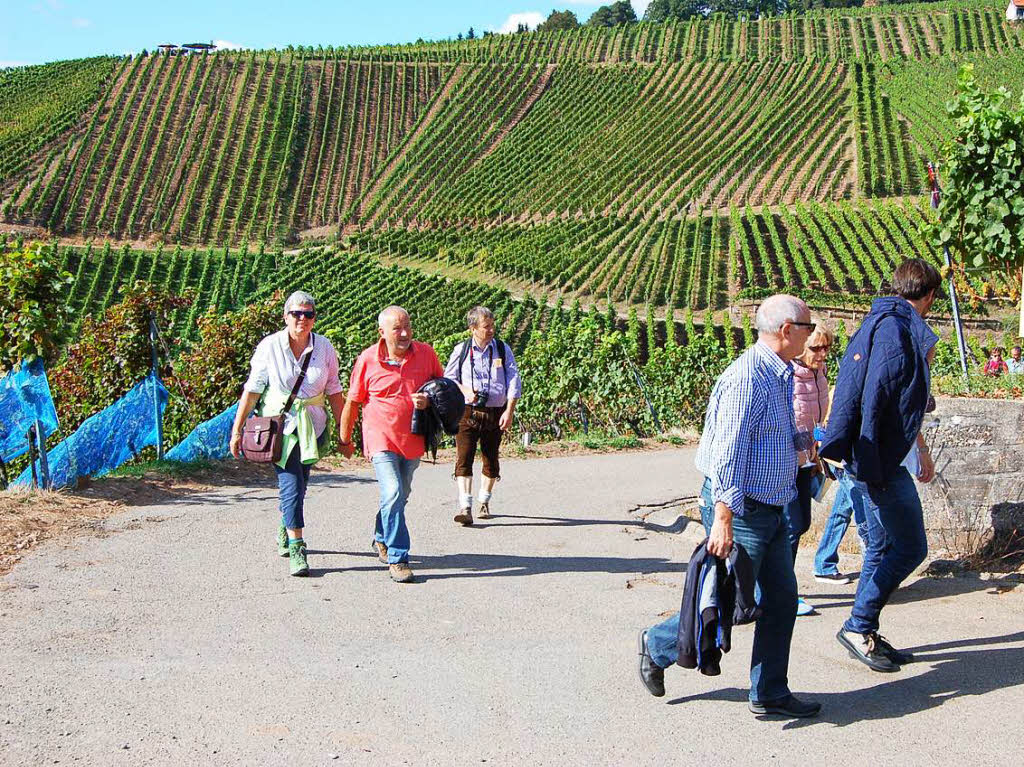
(718, 595)
(447, 405)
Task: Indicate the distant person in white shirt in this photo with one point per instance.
(1015, 365)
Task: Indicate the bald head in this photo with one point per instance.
(395, 328)
(390, 315)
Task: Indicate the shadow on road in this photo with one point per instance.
(919, 591)
(551, 522)
(501, 565)
(956, 671)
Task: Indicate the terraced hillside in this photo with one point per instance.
(676, 164)
(227, 147)
(352, 287)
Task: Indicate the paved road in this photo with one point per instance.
(179, 639)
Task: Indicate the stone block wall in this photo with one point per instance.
(978, 447)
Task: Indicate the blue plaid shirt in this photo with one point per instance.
(747, 448)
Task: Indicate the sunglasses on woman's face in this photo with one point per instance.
(300, 313)
(822, 348)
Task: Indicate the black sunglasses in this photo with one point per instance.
(300, 313)
(810, 325)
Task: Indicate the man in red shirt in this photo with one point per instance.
(384, 381)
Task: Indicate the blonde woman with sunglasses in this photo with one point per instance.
(810, 408)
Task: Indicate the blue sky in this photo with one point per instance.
(36, 31)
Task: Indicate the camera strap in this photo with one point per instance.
(472, 367)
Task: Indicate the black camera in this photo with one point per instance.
(480, 400)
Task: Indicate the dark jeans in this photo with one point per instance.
(798, 511)
(896, 545)
(763, 533)
(291, 487)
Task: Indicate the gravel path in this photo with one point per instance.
(178, 638)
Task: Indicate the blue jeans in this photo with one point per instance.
(896, 545)
(394, 478)
(762, 531)
(826, 560)
(291, 488)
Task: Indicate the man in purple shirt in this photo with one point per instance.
(485, 369)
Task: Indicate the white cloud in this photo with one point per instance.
(81, 23)
(227, 45)
(6, 64)
(529, 18)
(640, 6)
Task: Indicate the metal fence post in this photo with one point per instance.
(933, 177)
(157, 416)
(44, 464)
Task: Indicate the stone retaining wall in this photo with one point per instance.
(978, 447)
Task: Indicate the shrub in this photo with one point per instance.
(113, 353)
(32, 311)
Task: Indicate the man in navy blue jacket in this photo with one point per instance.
(879, 405)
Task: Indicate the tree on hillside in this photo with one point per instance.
(559, 20)
(666, 10)
(613, 15)
(680, 10)
(471, 34)
(982, 208)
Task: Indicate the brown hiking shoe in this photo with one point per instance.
(485, 511)
(400, 572)
(382, 551)
(464, 517)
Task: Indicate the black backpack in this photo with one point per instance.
(464, 352)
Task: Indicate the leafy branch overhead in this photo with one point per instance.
(982, 207)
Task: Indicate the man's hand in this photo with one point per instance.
(420, 401)
(926, 467)
(505, 420)
(346, 450)
(236, 444)
(720, 539)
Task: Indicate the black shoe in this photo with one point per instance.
(865, 648)
(789, 706)
(837, 578)
(896, 656)
(652, 675)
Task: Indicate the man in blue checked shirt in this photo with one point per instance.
(748, 456)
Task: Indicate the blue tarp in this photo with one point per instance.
(108, 439)
(210, 439)
(24, 397)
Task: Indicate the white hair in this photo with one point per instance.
(777, 310)
(393, 309)
(298, 298)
